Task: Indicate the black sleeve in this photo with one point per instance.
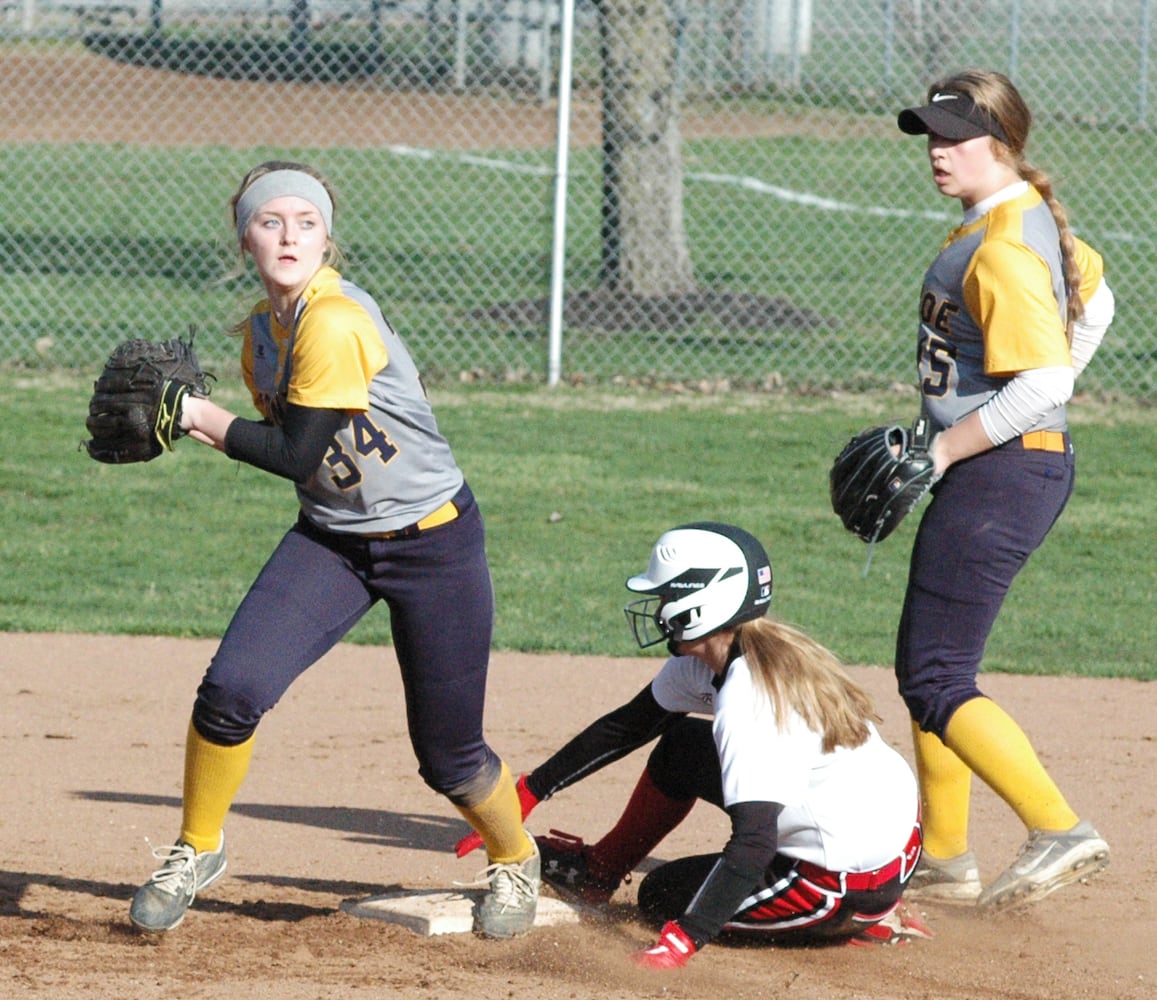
(293, 450)
(615, 735)
(754, 837)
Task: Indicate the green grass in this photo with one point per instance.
(575, 486)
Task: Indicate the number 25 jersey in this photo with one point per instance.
(993, 304)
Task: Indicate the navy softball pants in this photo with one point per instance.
(987, 516)
(317, 584)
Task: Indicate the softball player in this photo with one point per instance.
(1011, 310)
(824, 815)
(385, 515)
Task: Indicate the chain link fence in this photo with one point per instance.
(720, 197)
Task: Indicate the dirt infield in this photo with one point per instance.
(75, 96)
(333, 810)
(70, 96)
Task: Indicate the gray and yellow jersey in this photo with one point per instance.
(388, 465)
(993, 304)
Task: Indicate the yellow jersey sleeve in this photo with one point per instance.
(337, 350)
(1008, 291)
(1092, 267)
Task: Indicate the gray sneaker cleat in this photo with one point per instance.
(508, 907)
(160, 904)
(1048, 860)
(947, 880)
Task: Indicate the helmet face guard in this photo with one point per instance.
(702, 577)
(647, 626)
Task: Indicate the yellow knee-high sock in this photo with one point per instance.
(987, 739)
(213, 774)
(498, 818)
(945, 789)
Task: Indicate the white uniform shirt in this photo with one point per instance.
(850, 810)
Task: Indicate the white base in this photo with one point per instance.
(438, 911)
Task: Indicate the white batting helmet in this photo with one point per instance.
(702, 577)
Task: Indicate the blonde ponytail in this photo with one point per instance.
(1074, 304)
(796, 672)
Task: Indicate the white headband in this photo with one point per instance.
(279, 184)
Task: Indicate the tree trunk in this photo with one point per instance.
(644, 243)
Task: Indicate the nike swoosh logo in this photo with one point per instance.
(1039, 860)
(945, 97)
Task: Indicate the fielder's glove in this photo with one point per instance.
(881, 474)
(135, 410)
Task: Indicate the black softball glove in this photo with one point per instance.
(135, 410)
(881, 474)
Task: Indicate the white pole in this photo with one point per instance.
(558, 250)
(460, 46)
(1143, 91)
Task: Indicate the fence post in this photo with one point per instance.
(562, 146)
(889, 46)
(1143, 82)
(460, 24)
(1014, 39)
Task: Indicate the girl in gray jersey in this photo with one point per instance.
(385, 515)
(1011, 309)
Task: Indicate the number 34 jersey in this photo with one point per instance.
(993, 304)
(388, 465)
